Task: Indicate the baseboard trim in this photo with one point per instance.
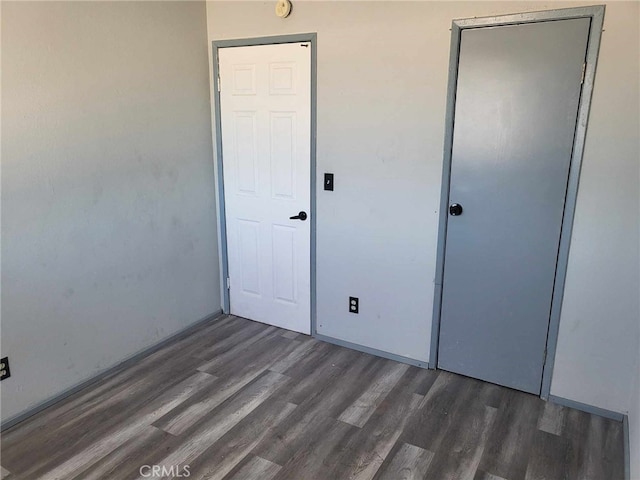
(603, 412)
(179, 335)
(372, 351)
(627, 447)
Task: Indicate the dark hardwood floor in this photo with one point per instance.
(241, 400)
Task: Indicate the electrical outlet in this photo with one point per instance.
(354, 304)
(4, 368)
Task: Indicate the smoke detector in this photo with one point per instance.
(283, 8)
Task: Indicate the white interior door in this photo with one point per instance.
(265, 103)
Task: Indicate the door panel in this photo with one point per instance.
(516, 107)
(248, 252)
(284, 271)
(283, 166)
(265, 100)
(246, 148)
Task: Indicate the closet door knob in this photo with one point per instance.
(455, 209)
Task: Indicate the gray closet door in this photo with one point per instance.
(515, 115)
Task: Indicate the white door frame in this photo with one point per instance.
(596, 14)
(219, 160)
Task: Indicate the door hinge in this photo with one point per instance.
(584, 69)
(218, 83)
(228, 283)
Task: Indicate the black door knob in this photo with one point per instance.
(301, 216)
(455, 209)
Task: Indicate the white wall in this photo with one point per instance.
(108, 208)
(382, 76)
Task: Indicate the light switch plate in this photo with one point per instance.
(328, 181)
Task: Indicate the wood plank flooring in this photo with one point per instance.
(241, 400)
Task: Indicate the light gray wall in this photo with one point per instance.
(375, 232)
(599, 329)
(634, 423)
(108, 208)
(382, 77)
